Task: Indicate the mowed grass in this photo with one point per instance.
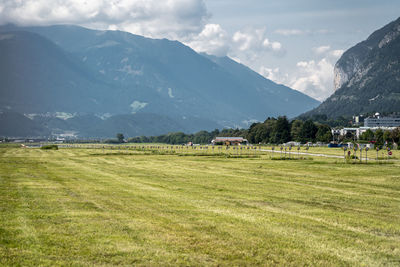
(89, 207)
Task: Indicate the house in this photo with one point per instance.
(229, 141)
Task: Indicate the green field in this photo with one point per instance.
(77, 206)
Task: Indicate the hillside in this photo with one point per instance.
(367, 76)
(38, 77)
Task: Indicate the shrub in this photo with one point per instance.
(49, 147)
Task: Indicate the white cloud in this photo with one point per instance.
(289, 32)
(325, 51)
(274, 74)
(183, 20)
(315, 77)
(312, 77)
(242, 45)
(251, 44)
(276, 46)
(212, 40)
(336, 53)
(297, 32)
(255, 40)
(171, 18)
(321, 49)
(243, 40)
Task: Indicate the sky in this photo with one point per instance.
(292, 42)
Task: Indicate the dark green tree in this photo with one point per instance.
(395, 135)
(281, 133)
(261, 134)
(295, 129)
(308, 131)
(387, 136)
(368, 135)
(324, 133)
(215, 133)
(379, 137)
(252, 133)
(120, 137)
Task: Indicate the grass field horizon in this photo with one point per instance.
(77, 206)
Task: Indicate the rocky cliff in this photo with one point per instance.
(367, 77)
(352, 60)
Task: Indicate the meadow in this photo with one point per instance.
(150, 206)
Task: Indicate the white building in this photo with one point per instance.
(382, 122)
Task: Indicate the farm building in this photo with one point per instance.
(229, 141)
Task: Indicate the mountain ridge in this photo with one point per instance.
(122, 73)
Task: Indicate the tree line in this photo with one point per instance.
(280, 130)
(380, 137)
(202, 137)
(272, 130)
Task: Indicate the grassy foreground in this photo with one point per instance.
(88, 207)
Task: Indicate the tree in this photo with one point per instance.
(281, 132)
(202, 137)
(308, 131)
(324, 133)
(215, 133)
(252, 132)
(120, 137)
(350, 136)
(261, 132)
(395, 135)
(295, 129)
(368, 135)
(386, 136)
(379, 137)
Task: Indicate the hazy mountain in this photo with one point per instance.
(367, 76)
(277, 95)
(16, 125)
(73, 70)
(87, 126)
(90, 126)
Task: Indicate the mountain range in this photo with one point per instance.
(69, 79)
(367, 77)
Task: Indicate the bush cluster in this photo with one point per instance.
(49, 147)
